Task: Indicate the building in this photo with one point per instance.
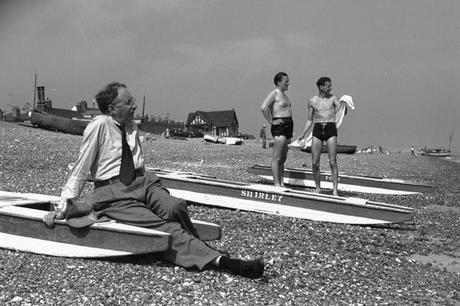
(159, 126)
(217, 123)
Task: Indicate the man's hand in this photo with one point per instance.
(59, 212)
(49, 219)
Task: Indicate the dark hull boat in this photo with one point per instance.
(341, 149)
(22, 229)
(366, 184)
(57, 123)
(283, 201)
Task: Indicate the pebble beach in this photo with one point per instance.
(308, 262)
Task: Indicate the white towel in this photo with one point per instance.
(345, 102)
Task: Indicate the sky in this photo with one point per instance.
(399, 60)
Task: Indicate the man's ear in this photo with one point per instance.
(111, 108)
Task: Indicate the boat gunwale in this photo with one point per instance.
(18, 211)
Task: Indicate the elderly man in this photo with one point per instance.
(112, 156)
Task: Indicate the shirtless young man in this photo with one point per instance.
(276, 108)
(321, 113)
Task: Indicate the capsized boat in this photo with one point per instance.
(366, 184)
(209, 190)
(22, 229)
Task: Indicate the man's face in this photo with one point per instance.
(326, 87)
(124, 106)
(284, 83)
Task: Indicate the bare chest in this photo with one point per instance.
(322, 105)
(282, 100)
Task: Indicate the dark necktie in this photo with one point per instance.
(127, 173)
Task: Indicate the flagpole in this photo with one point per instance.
(35, 89)
(143, 108)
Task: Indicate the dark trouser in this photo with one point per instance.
(145, 203)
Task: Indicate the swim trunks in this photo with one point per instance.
(324, 131)
(283, 127)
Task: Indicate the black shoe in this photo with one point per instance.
(253, 268)
(247, 268)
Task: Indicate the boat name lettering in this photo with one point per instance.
(329, 178)
(261, 195)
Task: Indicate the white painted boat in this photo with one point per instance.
(233, 141)
(22, 229)
(211, 138)
(223, 140)
(352, 183)
(283, 201)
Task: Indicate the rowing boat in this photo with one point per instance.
(435, 152)
(223, 140)
(22, 229)
(366, 184)
(268, 199)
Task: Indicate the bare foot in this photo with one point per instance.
(335, 193)
(317, 190)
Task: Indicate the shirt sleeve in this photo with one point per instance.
(93, 134)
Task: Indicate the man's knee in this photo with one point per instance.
(333, 163)
(277, 158)
(315, 165)
(178, 207)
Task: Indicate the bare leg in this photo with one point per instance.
(332, 152)
(279, 156)
(316, 146)
(283, 159)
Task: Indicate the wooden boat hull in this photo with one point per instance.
(341, 149)
(22, 229)
(279, 201)
(223, 140)
(304, 177)
(436, 153)
(56, 123)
